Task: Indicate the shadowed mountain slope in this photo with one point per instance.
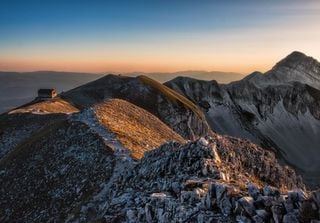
(179, 113)
(53, 173)
(18, 127)
(19, 124)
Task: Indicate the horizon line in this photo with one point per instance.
(126, 72)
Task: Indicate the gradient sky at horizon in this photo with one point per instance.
(165, 36)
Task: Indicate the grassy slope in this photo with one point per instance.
(137, 129)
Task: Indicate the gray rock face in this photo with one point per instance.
(283, 114)
(169, 185)
(296, 67)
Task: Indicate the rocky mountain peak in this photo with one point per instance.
(295, 59)
(296, 67)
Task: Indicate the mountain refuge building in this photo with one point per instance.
(47, 93)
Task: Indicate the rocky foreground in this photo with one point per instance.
(216, 179)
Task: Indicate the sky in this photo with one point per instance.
(155, 36)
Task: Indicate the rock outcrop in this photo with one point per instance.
(208, 181)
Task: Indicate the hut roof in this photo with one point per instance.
(45, 91)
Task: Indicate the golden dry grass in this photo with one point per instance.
(56, 105)
(135, 128)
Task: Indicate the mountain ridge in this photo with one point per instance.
(169, 106)
(283, 115)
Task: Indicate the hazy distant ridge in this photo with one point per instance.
(19, 88)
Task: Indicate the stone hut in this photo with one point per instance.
(47, 93)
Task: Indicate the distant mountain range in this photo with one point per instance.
(19, 88)
(220, 77)
(133, 149)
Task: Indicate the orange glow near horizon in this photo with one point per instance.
(238, 49)
(121, 67)
(244, 64)
(241, 52)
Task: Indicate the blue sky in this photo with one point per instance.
(154, 35)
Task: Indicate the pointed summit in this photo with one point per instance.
(297, 55)
(296, 59)
(296, 67)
